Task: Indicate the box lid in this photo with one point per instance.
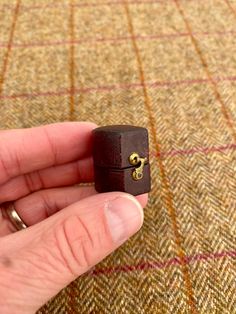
(113, 144)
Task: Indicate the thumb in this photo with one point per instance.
(36, 263)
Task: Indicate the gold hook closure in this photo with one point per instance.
(136, 160)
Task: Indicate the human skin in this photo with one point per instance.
(71, 227)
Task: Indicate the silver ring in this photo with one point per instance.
(14, 217)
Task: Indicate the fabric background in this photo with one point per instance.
(170, 66)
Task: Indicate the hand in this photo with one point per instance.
(71, 228)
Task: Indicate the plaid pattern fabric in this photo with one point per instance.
(168, 65)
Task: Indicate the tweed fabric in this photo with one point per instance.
(168, 65)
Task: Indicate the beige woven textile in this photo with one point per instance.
(170, 66)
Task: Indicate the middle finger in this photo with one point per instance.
(63, 175)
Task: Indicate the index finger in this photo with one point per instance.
(32, 149)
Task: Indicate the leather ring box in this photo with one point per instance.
(121, 159)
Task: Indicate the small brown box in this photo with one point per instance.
(121, 159)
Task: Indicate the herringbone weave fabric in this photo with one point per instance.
(170, 66)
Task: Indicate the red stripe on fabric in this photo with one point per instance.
(118, 87)
(153, 265)
(195, 150)
(113, 39)
(36, 94)
(146, 266)
(81, 5)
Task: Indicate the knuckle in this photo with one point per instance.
(9, 162)
(4, 169)
(34, 181)
(78, 170)
(50, 143)
(76, 244)
(30, 182)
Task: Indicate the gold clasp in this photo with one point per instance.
(136, 160)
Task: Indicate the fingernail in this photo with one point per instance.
(124, 217)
